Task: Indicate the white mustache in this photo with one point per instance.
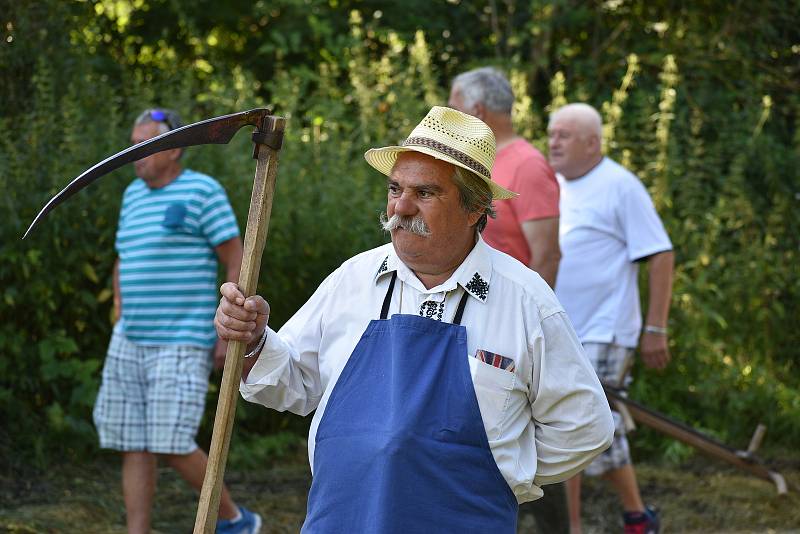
(415, 225)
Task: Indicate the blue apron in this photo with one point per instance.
(401, 446)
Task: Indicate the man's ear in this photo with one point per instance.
(593, 144)
(474, 217)
(479, 111)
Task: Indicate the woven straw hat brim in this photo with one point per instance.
(383, 159)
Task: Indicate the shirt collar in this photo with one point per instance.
(474, 273)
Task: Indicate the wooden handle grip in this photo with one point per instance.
(255, 238)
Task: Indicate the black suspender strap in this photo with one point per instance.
(388, 298)
(460, 310)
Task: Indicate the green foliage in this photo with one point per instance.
(259, 451)
(700, 100)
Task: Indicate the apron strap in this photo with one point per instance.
(460, 310)
(388, 298)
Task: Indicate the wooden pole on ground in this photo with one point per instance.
(255, 238)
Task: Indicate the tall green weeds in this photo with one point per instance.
(722, 173)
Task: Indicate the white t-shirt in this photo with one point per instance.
(608, 223)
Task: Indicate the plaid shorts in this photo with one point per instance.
(151, 397)
(610, 362)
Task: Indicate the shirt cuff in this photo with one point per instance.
(273, 356)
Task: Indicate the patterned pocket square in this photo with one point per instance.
(495, 360)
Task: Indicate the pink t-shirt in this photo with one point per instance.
(524, 170)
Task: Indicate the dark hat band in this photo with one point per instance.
(450, 151)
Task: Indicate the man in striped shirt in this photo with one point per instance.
(174, 225)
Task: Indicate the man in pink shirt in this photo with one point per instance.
(526, 227)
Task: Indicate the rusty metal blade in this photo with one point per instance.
(218, 130)
(688, 435)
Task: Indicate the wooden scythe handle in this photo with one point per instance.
(255, 238)
(699, 441)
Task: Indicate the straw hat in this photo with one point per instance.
(450, 136)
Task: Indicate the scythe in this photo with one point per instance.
(268, 138)
(745, 460)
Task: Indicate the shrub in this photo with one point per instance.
(717, 149)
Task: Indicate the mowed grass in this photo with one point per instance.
(699, 496)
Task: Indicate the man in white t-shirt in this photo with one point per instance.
(608, 226)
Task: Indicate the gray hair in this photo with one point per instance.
(487, 86)
(585, 115)
(475, 195)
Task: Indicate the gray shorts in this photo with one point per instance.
(151, 397)
(610, 362)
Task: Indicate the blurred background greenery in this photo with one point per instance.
(701, 100)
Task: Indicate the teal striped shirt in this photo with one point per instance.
(167, 263)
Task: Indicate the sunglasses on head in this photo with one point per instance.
(159, 115)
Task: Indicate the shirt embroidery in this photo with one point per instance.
(384, 266)
(432, 310)
(478, 287)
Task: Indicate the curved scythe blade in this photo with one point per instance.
(219, 130)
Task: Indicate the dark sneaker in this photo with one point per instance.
(646, 522)
(249, 523)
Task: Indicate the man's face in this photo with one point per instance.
(571, 150)
(156, 167)
(423, 186)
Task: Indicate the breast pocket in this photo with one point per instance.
(174, 215)
(178, 220)
(493, 387)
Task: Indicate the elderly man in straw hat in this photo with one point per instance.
(447, 381)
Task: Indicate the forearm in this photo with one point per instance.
(572, 417)
(542, 238)
(117, 293)
(233, 269)
(281, 378)
(660, 288)
(248, 363)
(547, 266)
(230, 254)
(285, 374)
